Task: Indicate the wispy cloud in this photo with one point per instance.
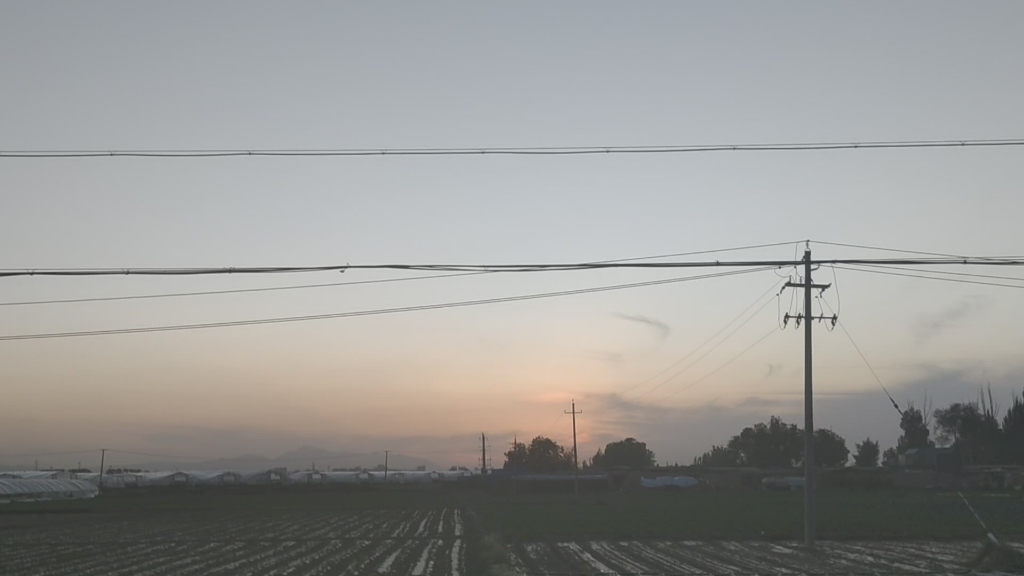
(660, 327)
(931, 326)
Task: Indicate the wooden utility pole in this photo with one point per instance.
(103, 456)
(515, 461)
(386, 465)
(575, 452)
(808, 317)
(483, 454)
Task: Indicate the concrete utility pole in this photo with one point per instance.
(575, 453)
(483, 454)
(808, 317)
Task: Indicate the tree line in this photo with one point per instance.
(545, 456)
(973, 430)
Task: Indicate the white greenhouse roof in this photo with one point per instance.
(18, 488)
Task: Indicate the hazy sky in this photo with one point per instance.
(129, 75)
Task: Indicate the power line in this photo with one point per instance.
(151, 455)
(706, 342)
(957, 280)
(354, 283)
(943, 272)
(511, 151)
(47, 454)
(709, 350)
(967, 260)
(728, 362)
(864, 358)
(234, 291)
(375, 312)
(902, 251)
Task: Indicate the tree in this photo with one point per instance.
(543, 455)
(867, 454)
(515, 459)
(598, 461)
(629, 453)
(829, 449)
(890, 457)
(775, 444)
(914, 424)
(718, 456)
(1013, 432)
(973, 430)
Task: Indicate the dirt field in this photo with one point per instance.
(692, 557)
(320, 532)
(416, 542)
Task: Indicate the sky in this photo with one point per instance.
(258, 75)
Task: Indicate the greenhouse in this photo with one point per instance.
(39, 475)
(20, 489)
(215, 477)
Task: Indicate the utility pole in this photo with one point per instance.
(103, 456)
(515, 461)
(575, 453)
(386, 452)
(483, 454)
(808, 317)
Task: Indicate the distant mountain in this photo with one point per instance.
(301, 459)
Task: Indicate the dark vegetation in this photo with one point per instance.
(973, 430)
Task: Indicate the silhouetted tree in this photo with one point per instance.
(629, 453)
(1013, 432)
(830, 449)
(867, 454)
(544, 455)
(515, 459)
(973, 429)
(890, 457)
(718, 456)
(914, 424)
(775, 444)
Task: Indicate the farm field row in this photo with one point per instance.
(294, 527)
(741, 558)
(417, 542)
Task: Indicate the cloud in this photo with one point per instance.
(660, 327)
(929, 327)
(606, 357)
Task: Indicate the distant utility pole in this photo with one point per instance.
(386, 452)
(515, 461)
(575, 453)
(483, 454)
(103, 456)
(808, 317)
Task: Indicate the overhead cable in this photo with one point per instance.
(510, 151)
(722, 366)
(864, 358)
(353, 283)
(924, 277)
(709, 350)
(936, 261)
(375, 312)
(706, 342)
